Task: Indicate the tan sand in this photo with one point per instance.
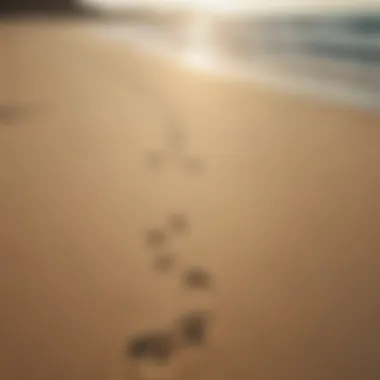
(281, 195)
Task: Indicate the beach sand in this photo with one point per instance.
(279, 195)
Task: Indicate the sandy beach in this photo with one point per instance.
(279, 194)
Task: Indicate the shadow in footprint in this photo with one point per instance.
(176, 138)
(179, 223)
(163, 263)
(193, 327)
(193, 165)
(138, 348)
(10, 114)
(157, 345)
(154, 159)
(197, 278)
(155, 238)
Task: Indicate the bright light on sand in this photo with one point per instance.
(198, 39)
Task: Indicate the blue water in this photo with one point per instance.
(319, 32)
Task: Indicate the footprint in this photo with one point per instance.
(193, 165)
(165, 262)
(9, 113)
(193, 327)
(138, 348)
(197, 278)
(177, 138)
(155, 238)
(154, 159)
(156, 345)
(179, 223)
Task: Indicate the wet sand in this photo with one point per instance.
(280, 195)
